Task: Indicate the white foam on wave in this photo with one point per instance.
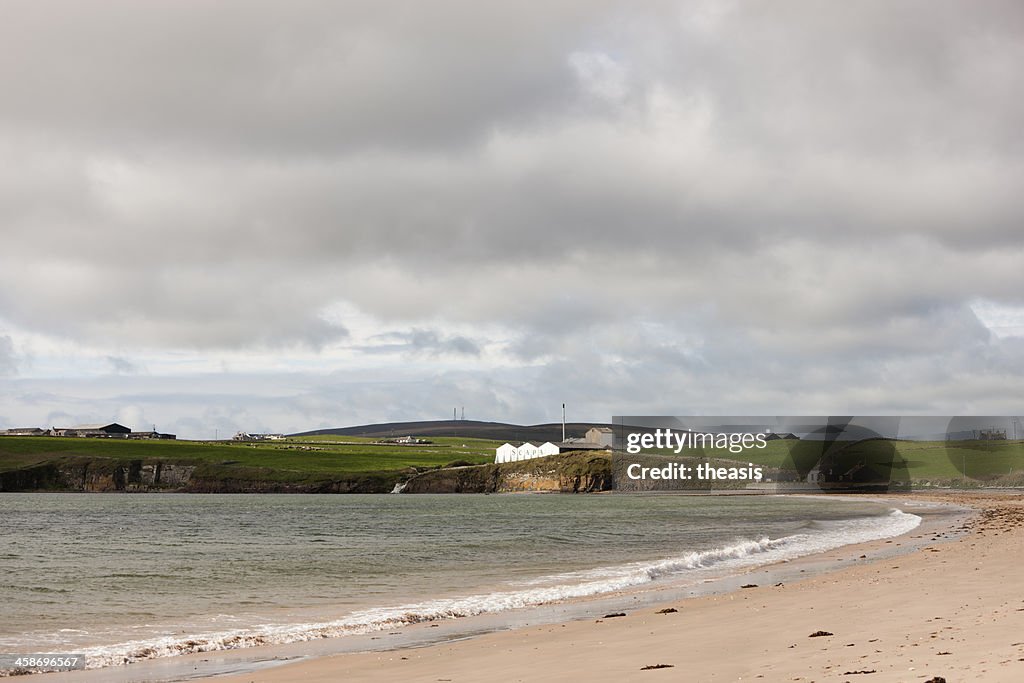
(827, 535)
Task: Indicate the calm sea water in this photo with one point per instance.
(138, 576)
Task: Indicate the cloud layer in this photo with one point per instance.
(697, 206)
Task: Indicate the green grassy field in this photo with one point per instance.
(315, 460)
(326, 456)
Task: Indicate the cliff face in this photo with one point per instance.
(564, 473)
(37, 478)
(98, 475)
(225, 483)
(470, 479)
(137, 476)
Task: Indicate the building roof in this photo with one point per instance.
(97, 427)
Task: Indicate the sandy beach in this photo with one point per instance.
(953, 609)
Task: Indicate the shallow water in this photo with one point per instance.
(136, 576)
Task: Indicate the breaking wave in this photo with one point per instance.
(818, 537)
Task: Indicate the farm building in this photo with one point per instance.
(24, 431)
(151, 435)
(246, 436)
(774, 436)
(97, 430)
(404, 441)
(600, 436)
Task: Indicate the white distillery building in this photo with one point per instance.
(509, 453)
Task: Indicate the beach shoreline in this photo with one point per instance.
(318, 658)
(950, 609)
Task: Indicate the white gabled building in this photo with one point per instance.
(548, 448)
(528, 451)
(506, 452)
(509, 453)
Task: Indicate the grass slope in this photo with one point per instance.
(333, 457)
(292, 460)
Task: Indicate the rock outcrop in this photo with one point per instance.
(579, 472)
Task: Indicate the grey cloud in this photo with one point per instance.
(314, 77)
(8, 361)
(430, 341)
(660, 192)
(122, 366)
(60, 418)
(643, 373)
(421, 341)
(169, 305)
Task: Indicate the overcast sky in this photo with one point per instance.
(285, 216)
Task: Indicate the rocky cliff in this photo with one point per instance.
(98, 475)
(569, 473)
(580, 472)
(138, 476)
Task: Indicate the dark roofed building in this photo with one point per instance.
(151, 435)
(580, 445)
(774, 436)
(24, 431)
(107, 430)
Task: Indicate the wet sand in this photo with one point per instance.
(953, 609)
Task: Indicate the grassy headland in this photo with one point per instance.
(328, 463)
(351, 464)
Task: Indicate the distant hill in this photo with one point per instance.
(498, 431)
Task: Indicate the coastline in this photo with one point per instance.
(950, 609)
(455, 640)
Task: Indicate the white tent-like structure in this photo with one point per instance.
(509, 453)
(506, 452)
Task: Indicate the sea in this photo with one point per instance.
(125, 578)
